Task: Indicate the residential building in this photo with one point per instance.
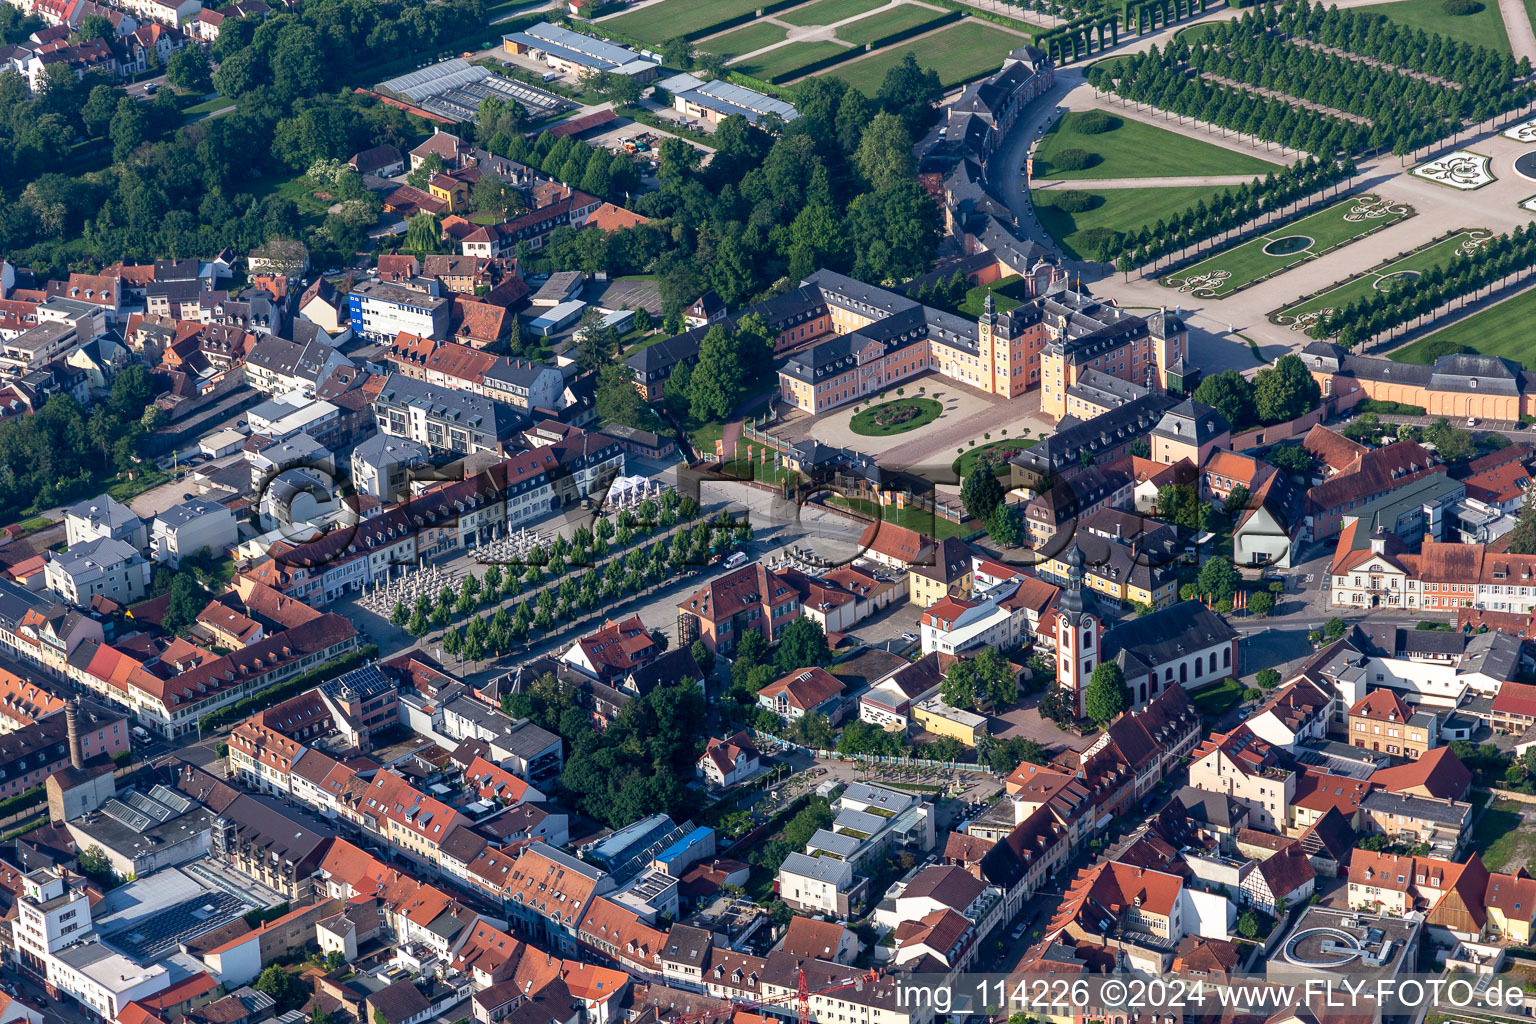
(445, 419)
(102, 517)
(806, 691)
(380, 312)
(194, 526)
(104, 567)
(728, 761)
(1248, 769)
(753, 597)
(1381, 721)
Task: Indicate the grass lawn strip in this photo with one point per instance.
(1441, 253)
(786, 59)
(958, 53)
(660, 22)
(1137, 149)
(1484, 28)
(1327, 228)
(1503, 838)
(1217, 698)
(1120, 209)
(877, 26)
(745, 39)
(828, 12)
(1500, 330)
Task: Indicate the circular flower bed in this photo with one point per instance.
(896, 417)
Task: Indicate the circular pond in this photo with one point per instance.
(1290, 245)
(1390, 281)
(1525, 165)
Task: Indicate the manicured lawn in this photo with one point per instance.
(1217, 699)
(787, 59)
(1002, 449)
(1120, 209)
(1485, 28)
(1336, 225)
(877, 26)
(660, 22)
(1136, 149)
(1009, 293)
(828, 12)
(1439, 254)
(745, 39)
(958, 53)
(206, 107)
(1502, 330)
(919, 412)
(912, 518)
(1502, 838)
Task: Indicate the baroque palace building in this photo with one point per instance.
(1460, 386)
(877, 338)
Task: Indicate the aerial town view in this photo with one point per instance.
(767, 512)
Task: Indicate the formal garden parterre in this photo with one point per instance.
(896, 417)
(1382, 287)
(1287, 245)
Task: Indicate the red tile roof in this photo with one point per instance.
(1437, 773)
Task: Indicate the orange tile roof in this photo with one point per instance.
(1318, 791)
(804, 688)
(1382, 705)
(1437, 773)
(612, 218)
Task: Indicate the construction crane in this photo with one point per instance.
(801, 998)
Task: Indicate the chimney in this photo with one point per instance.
(72, 727)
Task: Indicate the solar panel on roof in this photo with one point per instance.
(157, 811)
(127, 816)
(172, 799)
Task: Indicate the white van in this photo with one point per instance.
(737, 560)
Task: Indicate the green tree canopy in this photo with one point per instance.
(980, 494)
(802, 644)
(1107, 694)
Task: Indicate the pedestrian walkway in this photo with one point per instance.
(1184, 181)
(1517, 25)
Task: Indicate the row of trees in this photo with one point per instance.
(1277, 393)
(1227, 211)
(1492, 264)
(1402, 110)
(1372, 35)
(1161, 79)
(569, 160)
(616, 579)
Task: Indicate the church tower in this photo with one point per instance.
(1078, 632)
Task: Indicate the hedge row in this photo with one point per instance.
(279, 692)
(22, 801)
